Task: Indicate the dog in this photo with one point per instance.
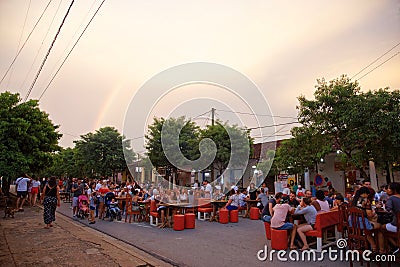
(8, 211)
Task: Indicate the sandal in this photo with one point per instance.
(293, 248)
(305, 248)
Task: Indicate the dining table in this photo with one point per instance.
(249, 204)
(217, 205)
(171, 210)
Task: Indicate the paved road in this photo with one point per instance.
(210, 244)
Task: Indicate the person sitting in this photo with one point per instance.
(242, 197)
(309, 194)
(114, 209)
(293, 202)
(393, 206)
(310, 214)
(339, 200)
(320, 203)
(278, 220)
(252, 192)
(233, 202)
(263, 198)
(363, 200)
(165, 198)
(286, 190)
(268, 210)
(300, 192)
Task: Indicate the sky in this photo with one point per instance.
(283, 47)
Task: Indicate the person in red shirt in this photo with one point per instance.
(102, 192)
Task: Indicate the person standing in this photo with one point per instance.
(34, 191)
(76, 191)
(22, 190)
(51, 199)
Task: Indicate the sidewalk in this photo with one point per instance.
(25, 242)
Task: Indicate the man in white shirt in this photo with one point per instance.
(22, 190)
(207, 189)
(286, 191)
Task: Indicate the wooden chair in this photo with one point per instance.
(395, 236)
(131, 212)
(154, 216)
(343, 219)
(357, 232)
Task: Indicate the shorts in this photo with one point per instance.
(35, 190)
(92, 208)
(22, 194)
(391, 228)
(230, 207)
(368, 224)
(286, 226)
(75, 202)
(267, 218)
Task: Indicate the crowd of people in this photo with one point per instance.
(287, 206)
(294, 211)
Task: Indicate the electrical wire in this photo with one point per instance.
(375, 61)
(254, 114)
(274, 125)
(41, 45)
(69, 53)
(20, 37)
(378, 66)
(48, 51)
(27, 38)
(76, 33)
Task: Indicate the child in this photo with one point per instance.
(114, 209)
(92, 207)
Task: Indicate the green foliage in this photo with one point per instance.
(229, 139)
(305, 149)
(341, 117)
(27, 136)
(185, 130)
(101, 153)
(190, 135)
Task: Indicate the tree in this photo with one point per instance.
(304, 150)
(27, 136)
(102, 152)
(362, 126)
(173, 143)
(64, 164)
(234, 145)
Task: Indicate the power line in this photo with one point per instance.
(379, 65)
(375, 61)
(41, 45)
(254, 114)
(20, 37)
(274, 125)
(48, 51)
(69, 53)
(76, 33)
(27, 38)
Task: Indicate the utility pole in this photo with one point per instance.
(212, 116)
(212, 124)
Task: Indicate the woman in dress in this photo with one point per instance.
(51, 199)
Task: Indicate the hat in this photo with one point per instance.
(218, 187)
(299, 186)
